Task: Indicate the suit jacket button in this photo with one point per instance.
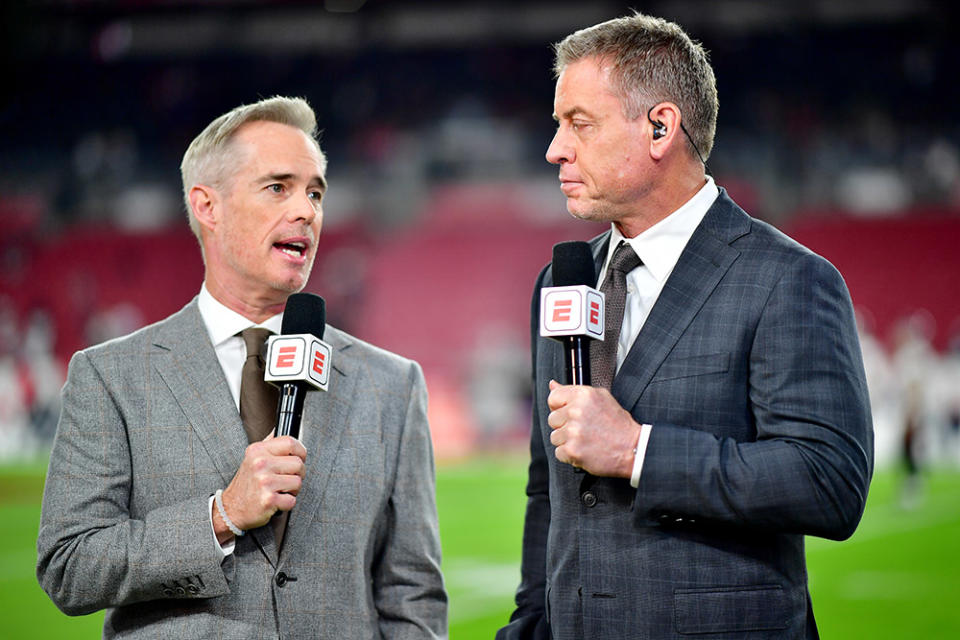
(181, 591)
(167, 591)
(281, 579)
(589, 498)
(194, 589)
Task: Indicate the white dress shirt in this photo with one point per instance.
(659, 247)
(223, 324)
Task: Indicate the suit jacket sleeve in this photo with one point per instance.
(91, 553)
(408, 586)
(529, 619)
(808, 469)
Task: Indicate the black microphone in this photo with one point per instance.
(298, 360)
(572, 310)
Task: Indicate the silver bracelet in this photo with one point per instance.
(218, 498)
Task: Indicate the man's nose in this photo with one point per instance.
(305, 208)
(559, 151)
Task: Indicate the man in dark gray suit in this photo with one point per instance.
(162, 505)
(729, 417)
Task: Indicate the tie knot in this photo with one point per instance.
(255, 338)
(625, 259)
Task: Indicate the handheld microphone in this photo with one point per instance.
(571, 311)
(298, 360)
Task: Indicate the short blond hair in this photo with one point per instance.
(652, 61)
(208, 158)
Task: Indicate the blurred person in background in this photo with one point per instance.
(167, 500)
(916, 364)
(730, 417)
(15, 435)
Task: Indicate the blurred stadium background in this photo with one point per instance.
(838, 123)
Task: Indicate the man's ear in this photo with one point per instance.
(205, 202)
(665, 120)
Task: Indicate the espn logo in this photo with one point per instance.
(571, 311)
(298, 358)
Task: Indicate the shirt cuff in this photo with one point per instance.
(227, 548)
(645, 430)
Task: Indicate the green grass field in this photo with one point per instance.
(897, 577)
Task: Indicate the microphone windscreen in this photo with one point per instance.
(305, 313)
(573, 265)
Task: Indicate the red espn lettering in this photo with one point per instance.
(561, 310)
(285, 357)
(319, 358)
(594, 312)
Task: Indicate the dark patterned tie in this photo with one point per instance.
(603, 355)
(258, 405)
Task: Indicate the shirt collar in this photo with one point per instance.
(223, 323)
(660, 246)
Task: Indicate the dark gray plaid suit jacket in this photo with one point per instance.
(749, 369)
(149, 431)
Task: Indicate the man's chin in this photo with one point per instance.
(291, 284)
(588, 214)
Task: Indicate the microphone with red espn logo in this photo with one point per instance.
(572, 310)
(298, 360)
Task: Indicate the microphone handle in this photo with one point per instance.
(290, 409)
(577, 359)
(576, 352)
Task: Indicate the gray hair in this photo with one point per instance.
(652, 61)
(208, 159)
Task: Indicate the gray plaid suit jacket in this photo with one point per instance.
(749, 369)
(149, 431)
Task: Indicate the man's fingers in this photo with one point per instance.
(285, 446)
(556, 437)
(562, 455)
(285, 466)
(286, 501)
(556, 419)
(557, 397)
(286, 484)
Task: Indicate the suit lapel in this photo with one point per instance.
(326, 416)
(599, 246)
(706, 258)
(188, 365)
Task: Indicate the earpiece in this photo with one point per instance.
(659, 129)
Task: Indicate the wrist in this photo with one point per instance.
(222, 524)
(626, 470)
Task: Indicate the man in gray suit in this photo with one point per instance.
(161, 508)
(730, 418)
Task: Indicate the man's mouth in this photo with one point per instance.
(294, 249)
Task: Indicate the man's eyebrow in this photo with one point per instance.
(285, 177)
(570, 113)
(275, 177)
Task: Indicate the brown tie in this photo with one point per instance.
(603, 356)
(258, 404)
(258, 399)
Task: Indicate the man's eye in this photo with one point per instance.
(316, 195)
(276, 188)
